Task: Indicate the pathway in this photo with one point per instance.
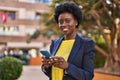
(35, 73)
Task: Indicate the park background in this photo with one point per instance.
(26, 26)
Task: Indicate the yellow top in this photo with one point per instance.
(63, 51)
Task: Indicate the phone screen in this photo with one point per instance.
(45, 53)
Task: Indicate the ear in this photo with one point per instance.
(76, 23)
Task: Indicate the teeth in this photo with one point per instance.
(65, 29)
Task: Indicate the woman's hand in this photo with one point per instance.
(55, 61)
(47, 62)
(60, 62)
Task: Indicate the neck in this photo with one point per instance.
(68, 37)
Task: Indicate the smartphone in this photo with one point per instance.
(45, 53)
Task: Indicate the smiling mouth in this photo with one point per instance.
(65, 29)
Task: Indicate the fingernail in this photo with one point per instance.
(55, 59)
(49, 62)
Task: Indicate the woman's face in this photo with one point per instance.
(67, 23)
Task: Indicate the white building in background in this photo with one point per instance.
(18, 19)
(37, 1)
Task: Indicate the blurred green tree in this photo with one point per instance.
(103, 14)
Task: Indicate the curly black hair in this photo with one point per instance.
(70, 7)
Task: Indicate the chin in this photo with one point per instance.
(65, 33)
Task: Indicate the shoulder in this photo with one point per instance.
(57, 40)
(87, 42)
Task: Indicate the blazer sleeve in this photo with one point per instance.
(86, 72)
(48, 71)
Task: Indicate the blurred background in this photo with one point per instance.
(20, 28)
(26, 26)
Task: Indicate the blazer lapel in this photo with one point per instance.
(57, 44)
(75, 48)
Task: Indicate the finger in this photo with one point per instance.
(58, 58)
(45, 61)
(43, 56)
(56, 65)
(46, 66)
(55, 58)
(51, 59)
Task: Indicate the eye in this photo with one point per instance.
(67, 20)
(60, 21)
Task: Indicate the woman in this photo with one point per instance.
(72, 56)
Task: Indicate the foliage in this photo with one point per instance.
(24, 60)
(99, 59)
(103, 13)
(10, 68)
(36, 34)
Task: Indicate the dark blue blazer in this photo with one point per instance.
(80, 61)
